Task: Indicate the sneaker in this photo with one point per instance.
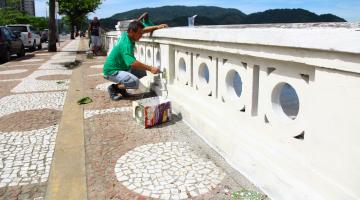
(124, 93)
(112, 89)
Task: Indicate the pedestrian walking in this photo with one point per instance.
(94, 31)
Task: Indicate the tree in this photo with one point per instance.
(76, 11)
(12, 16)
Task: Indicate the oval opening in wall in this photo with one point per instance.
(285, 101)
(182, 67)
(233, 84)
(203, 74)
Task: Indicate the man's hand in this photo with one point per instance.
(162, 26)
(155, 70)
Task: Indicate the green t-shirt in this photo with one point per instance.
(121, 56)
(147, 23)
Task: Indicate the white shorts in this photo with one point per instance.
(95, 41)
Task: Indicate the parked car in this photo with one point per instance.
(44, 35)
(28, 35)
(10, 44)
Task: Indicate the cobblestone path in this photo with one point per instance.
(32, 94)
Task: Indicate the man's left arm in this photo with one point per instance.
(153, 28)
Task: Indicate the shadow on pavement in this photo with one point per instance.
(174, 119)
(26, 57)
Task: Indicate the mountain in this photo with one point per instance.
(331, 18)
(289, 16)
(210, 15)
(164, 13)
(177, 15)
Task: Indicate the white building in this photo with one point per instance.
(23, 5)
(28, 6)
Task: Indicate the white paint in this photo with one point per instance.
(91, 113)
(170, 168)
(15, 71)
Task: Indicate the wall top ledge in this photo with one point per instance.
(342, 37)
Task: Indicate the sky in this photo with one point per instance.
(347, 9)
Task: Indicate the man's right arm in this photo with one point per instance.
(142, 66)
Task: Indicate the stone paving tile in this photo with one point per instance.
(6, 87)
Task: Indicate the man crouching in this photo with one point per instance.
(121, 66)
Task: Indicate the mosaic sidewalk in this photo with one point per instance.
(31, 102)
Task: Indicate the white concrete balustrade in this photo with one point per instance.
(279, 103)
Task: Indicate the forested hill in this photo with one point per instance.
(210, 15)
(289, 16)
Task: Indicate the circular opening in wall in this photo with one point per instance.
(285, 101)
(204, 73)
(149, 54)
(158, 59)
(182, 67)
(233, 84)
